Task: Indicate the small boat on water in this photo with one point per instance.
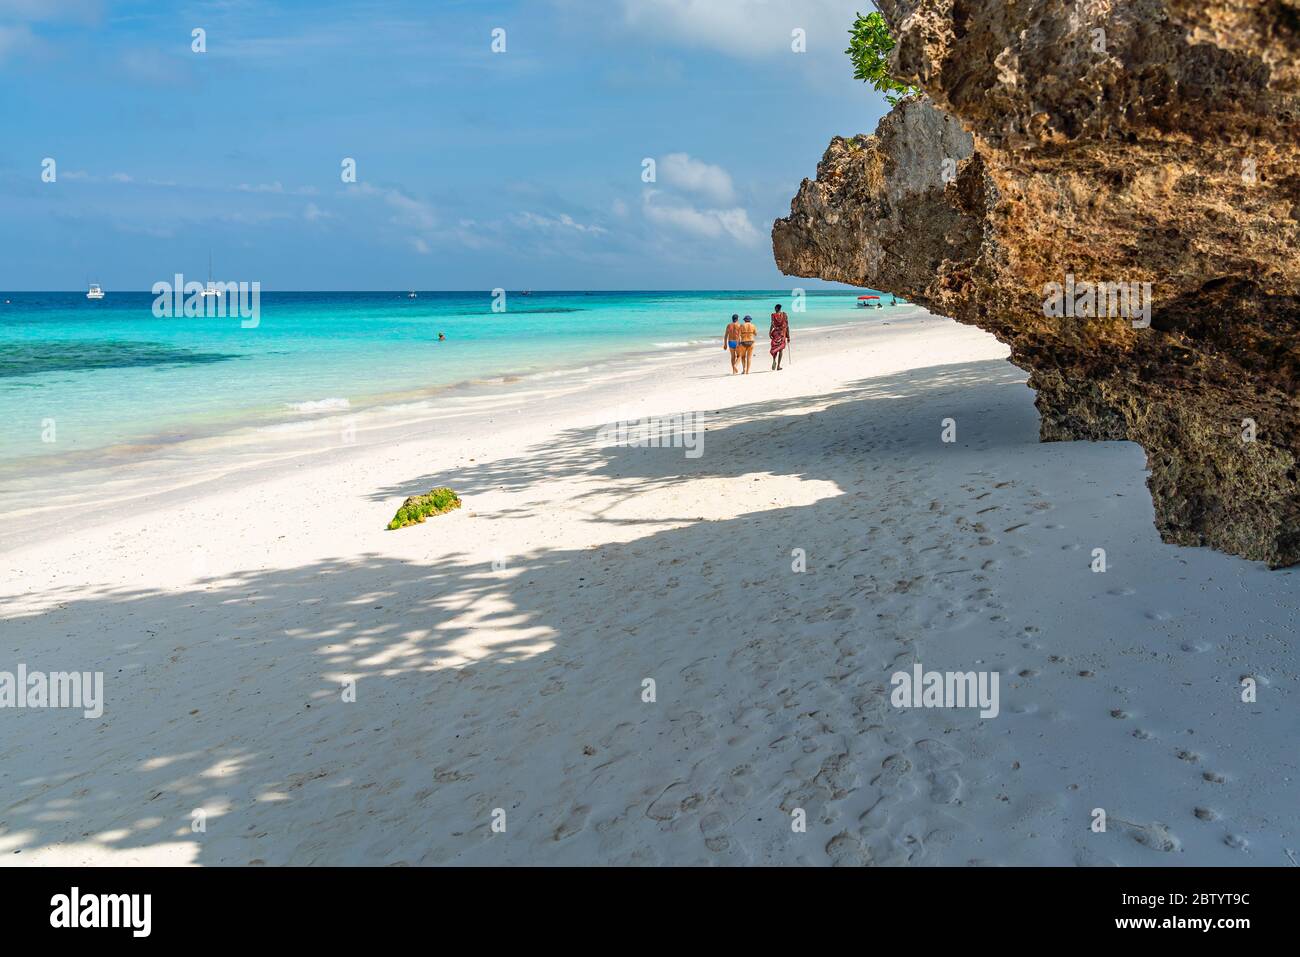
(411, 295)
(95, 292)
(212, 287)
(869, 302)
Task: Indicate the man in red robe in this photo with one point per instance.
(779, 333)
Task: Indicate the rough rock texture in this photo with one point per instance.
(1148, 141)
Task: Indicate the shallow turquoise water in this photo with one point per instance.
(91, 374)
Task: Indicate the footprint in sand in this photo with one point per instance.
(714, 828)
(1155, 835)
(693, 674)
(845, 850)
(571, 825)
(615, 736)
(893, 772)
(1205, 814)
(938, 761)
(667, 805)
(737, 787)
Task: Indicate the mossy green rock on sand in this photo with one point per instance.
(419, 507)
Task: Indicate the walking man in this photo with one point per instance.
(779, 333)
(731, 340)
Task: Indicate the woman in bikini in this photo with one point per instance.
(731, 340)
(748, 333)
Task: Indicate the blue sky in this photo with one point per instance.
(475, 169)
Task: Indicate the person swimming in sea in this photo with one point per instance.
(731, 340)
(441, 337)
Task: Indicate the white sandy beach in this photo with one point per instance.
(499, 652)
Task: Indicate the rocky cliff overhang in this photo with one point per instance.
(1111, 188)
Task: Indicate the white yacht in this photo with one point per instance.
(212, 287)
(95, 292)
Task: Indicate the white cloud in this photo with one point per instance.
(563, 221)
(256, 217)
(313, 213)
(700, 200)
(744, 27)
(413, 215)
(410, 211)
(695, 176)
(706, 223)
(276, 187)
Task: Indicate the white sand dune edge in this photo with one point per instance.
(500, 653)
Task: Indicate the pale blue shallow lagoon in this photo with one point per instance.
(109, 373)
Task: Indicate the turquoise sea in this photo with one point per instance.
(78, 375)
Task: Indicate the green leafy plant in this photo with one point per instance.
(869, 44)
(419, 507)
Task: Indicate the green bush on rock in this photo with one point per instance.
(869, 44)
(419, 507)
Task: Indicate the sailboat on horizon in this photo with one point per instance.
(211, 290)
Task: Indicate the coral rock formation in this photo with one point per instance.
(1065, 155)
